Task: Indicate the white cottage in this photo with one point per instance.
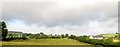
(96, 37)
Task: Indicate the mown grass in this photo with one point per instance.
(45, 42)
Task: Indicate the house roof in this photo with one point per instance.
(98, 36)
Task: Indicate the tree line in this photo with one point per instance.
(44, 36)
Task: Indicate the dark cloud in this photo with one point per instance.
(60, 13)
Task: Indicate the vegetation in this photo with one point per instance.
(3, 30)
(45, 42)
(43, 36)
(104, 42)
(110, 35)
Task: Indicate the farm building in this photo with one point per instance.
(96, 37)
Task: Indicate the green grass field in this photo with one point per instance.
(109, 35)
(45, 42)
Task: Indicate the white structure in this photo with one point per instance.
(96, 37)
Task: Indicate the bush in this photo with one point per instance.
(104, 42)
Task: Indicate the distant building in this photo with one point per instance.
(14, 34)
(96, 37)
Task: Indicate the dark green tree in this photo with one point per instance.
(41, 33)
(4, 30)
(62, 36)
(72, 37)
(0, 30)
(66, 35)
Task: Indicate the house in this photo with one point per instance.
(14, 34)
(96, 37)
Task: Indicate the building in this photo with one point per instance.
(14, 34)
(96, 37)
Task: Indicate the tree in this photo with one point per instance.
(0, 30)
(4, 30)
(72, 37)
(62, 36)
(66, 35)
(41, 33)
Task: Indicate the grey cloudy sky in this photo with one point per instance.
(79, 17)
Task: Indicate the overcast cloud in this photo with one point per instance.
(79, 17)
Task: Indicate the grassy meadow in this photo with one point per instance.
(45, 42)
(109, 35)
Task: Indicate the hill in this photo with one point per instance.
(109, 35)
